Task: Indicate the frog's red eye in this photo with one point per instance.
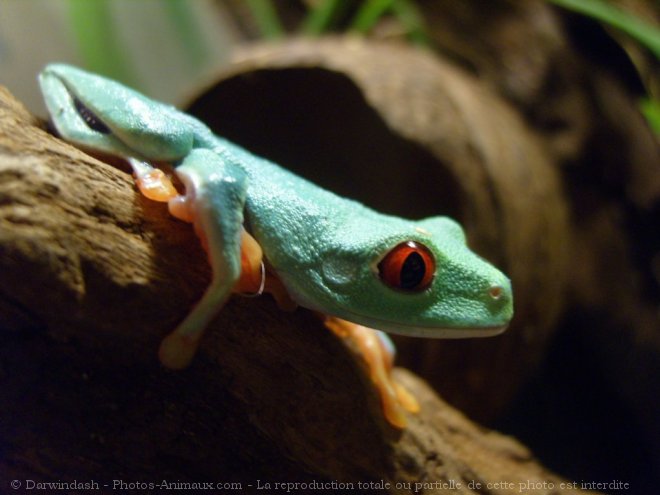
(409, 266)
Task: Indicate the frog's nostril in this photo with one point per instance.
(495, 292)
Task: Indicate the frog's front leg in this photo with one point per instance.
(378, 351)
(215, 196)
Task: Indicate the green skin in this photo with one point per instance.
(324, 248)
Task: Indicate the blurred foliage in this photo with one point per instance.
(102, 44)
(644, 33)
(651, 109)
(323, 16)
(102, 50)
(343, 15)
(266, 18)
(98, 42)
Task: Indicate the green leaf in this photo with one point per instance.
(266, 18)
(322, 17)
(98, 41)
(369, 13)
(405, 11)
(411, 19)
(651, 110)
(643, 32)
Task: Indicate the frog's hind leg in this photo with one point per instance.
(214, 200)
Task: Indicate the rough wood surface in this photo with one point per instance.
(93, 275)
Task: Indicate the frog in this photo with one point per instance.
(266, 229)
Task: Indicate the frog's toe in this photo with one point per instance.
(156, 186)
(406, 399)
(177, 351)
(378, 355)
(152, 182)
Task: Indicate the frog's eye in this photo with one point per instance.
(409, 266)
(90, 119)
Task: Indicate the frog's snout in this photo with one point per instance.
(495, 292)
(498, 298)
(499, 292)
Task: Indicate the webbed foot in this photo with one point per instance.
(153, 182)
(378, 353)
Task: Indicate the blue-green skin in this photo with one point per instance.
(324, 248)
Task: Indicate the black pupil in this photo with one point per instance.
(92, 121)
(412, 271)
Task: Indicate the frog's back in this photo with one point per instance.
(272, 187)
(283, 207)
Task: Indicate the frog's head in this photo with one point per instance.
(97, 113)
(413, 278)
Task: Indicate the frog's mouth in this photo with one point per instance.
(405, 329)
(423, 331)
(428, 332)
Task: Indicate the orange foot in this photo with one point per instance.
(153, 182)
(395, 399)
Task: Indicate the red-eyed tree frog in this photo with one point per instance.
(265, 228)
